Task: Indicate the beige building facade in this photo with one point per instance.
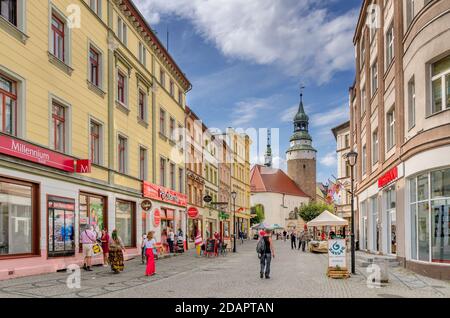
(400, 127)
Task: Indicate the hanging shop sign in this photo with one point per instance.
(83, 166)
(156, 192)
(156, 218)
(337, 254)
(193, 212)
(146, 205)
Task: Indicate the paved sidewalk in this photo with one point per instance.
(295, 274)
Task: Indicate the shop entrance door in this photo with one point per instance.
(61, 227)
(392, 232)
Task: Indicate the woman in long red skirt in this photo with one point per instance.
(149, 245)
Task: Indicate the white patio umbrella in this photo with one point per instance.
(327, 218)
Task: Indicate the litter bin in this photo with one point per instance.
(382, 265)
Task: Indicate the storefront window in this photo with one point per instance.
(16, 218)
(125, 222)
(61, 227)
(391, 220)
(430, 217)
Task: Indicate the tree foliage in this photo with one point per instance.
(313, 209)
(259, 211)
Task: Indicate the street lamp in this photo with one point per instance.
(351, 160)
(234, 195)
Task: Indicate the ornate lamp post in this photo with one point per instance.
(234, 195)
(351, 158)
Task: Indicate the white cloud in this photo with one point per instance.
(330, 118)
(301, 36)
(329, 160)
(246, 111)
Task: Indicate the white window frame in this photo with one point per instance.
(389, 39)
(142, 54)
(411, 103)
(145, 172)
(21, 21)
(442, 76)
(390, 129)
(375, 146)
(100, 139)
(122, 30)
(67, 122)
(96, 6)
(363, 52)
(363, 101)
(374, 78)
(364, 160)
(173, 182)
(53, 10)
(410, 12)
(140, 89)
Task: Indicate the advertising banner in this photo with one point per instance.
(337, 253)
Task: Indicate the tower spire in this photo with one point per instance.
(268, 156)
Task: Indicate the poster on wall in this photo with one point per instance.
(337, 253)
(156, 218)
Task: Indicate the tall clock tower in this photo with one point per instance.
(301, 155)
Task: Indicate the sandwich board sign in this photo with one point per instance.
(337, 253)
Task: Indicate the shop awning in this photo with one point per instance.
(327, 218)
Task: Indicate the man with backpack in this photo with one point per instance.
(266, 252)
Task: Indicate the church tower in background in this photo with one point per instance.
(301, 156)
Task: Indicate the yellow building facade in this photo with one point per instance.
(240, 177)
(84, 86)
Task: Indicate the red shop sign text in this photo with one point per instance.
(156, 192)
(193, 212)
(388, 177)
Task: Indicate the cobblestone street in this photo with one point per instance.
(294, 274)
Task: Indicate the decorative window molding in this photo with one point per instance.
(100, 65)
(66, 63)
(16, 25)
(53, 99)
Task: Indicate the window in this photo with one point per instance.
(8, 106)
(172, 129)
(96, 5)
(364, 159)
(375, 147)
(142, 163)
(363, 52)
(122, 31)
(411, 103)
(180, 135)
(430, 215)
(172, 176)
(142, 106)
(409, 11)
(390, 45)
(180, 96)
(172, 88)
(59, 127)
(162, 78)
(95, 142)
(142, 54)
(363, 101)
(373, 24)
(374, 74)
(390, 119)
(180, 180)
(94, 69)
(125, 222)
(121, 88)
(8, 10)
(162, 122)
(58, 35)
(122, 154)
(440, 82)
(347, 141)
(19, 218)
(162, 172)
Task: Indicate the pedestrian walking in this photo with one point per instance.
(265, 252)
(170, 239)
(293, 240)
(88, 239)
(105, 247)
(116, 249)
(149, 244)
(284, 235)
(302, 241)
(143, 256)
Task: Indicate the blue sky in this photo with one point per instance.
(247, 58)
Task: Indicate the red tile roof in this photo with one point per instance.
(263, 179)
